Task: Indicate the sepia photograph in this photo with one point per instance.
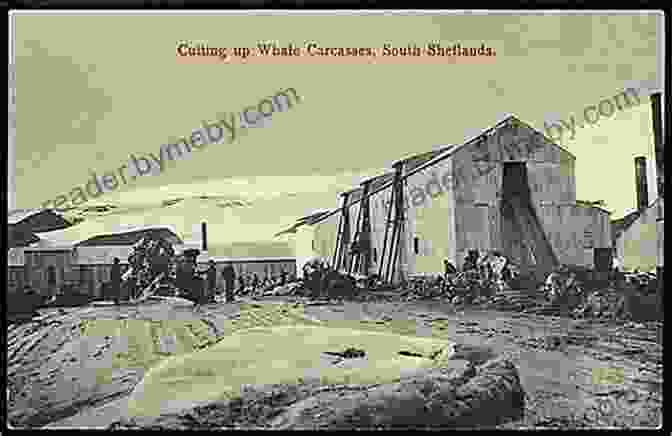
(335, 219)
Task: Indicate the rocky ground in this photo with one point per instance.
(576, 373)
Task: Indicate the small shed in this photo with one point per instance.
(636, 239)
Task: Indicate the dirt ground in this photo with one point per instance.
(563, 363)
(575, 373)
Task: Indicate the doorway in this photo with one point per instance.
(523, 237)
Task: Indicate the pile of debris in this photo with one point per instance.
(605, 303)
(150, 258)
(492, 282)
(481, 280)
(571, 292)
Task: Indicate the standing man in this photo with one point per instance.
(212, 279)
(283, 278)
(115, 278)
(51, 281)
(449, 272)
(229, 275)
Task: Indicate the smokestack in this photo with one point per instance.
(640, 183)
(204, 238)
(657, 118)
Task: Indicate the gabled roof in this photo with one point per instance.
(17, 215)
(413, 163)
(129, 237)
(38, 220)
(416, 161)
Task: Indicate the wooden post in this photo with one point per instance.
(345, 233)
(399, 222)
(388, 221)
(356, 238)
(365, 234)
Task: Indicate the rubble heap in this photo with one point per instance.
(150, 257)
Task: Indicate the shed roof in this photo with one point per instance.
(306, 220)
(620, 225)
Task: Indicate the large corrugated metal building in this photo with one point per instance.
(509, 189)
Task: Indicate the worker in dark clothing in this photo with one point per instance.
(229, 276)
(283, 278)
(241, 284)
(471, 261)
(211, 273)
(115, 279)
(255, 282)
(51, 280)
(449, 271)
(448, 267)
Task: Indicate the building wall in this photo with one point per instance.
(15, 256)
(574, 231)
(467, 215)
(637, 246)
(325, 237)
(38, 263)
(550, 172)
(304, 247)
(430, 235)
(315, 241)
(102, 254)
(15, 278)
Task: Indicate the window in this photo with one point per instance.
(416, 245)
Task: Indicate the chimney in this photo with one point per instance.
(640, 183)
(657, 118)
(204, 236)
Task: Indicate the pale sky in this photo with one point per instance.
(91, 90)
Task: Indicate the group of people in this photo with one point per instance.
(480, 271)
(242, 284)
